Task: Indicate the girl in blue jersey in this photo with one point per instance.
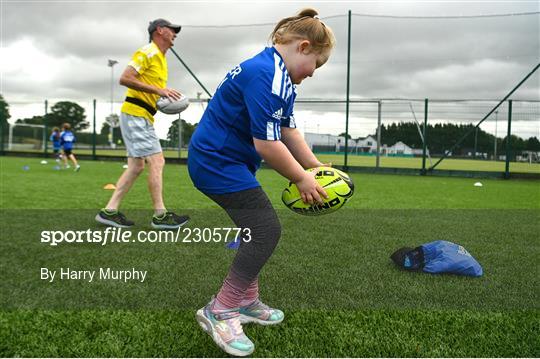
(55, 139)
(251, 118)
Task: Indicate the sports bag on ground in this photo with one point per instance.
(438, 257)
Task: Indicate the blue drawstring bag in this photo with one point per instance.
(438, 257)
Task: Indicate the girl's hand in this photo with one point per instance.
(310, 190)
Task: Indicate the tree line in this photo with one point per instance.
(72, 113)
(59, 113)
(441, 137)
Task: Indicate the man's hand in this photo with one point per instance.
(130, 78)
(170, 93)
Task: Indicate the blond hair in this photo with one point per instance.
(306, 26)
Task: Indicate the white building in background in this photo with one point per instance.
(399, 148)
(366, 145)
(331, 143)
(417, 152)
(327, 142)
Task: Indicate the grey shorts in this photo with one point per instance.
(139, 136)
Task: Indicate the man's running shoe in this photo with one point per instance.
(113, 219)
(225, 329)
(169, 220)
(77, 168)
(260, 313)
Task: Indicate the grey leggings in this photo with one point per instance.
(251, 209)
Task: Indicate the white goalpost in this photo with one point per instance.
(10, 135)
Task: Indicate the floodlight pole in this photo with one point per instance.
(111, 64)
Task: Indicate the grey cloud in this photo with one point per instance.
(390, 57)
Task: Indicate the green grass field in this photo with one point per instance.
(332, 275)
(392, 162)
(446, 164)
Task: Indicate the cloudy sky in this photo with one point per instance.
(58, 50)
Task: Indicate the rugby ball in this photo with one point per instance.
(172, 107)
(337, 184)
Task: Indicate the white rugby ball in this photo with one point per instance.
(172, 107)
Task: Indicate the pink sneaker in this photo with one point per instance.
(260, 313)
(225, 329)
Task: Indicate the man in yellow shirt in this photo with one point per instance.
(146, 80)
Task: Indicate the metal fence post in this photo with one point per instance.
(345, 165)
(424, 130)
(45, 135)
(379, 135)
(2, 133)
(475, 142)
(179, 136)
(94, 132)
(508, 149)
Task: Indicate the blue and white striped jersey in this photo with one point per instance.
(254, 100)
(67, 138)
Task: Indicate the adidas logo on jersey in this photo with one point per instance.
(278, 115)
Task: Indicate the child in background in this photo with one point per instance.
(67, 138)
(55, 139)
(250, 118)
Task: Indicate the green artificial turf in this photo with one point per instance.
(40, 187)
(455, 164)
(332, 275)
(306, 333)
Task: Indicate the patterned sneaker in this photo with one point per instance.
(169, 220)
(113, 219)
(260, 313)
(225, 329)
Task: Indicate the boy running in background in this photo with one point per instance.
(67, 138)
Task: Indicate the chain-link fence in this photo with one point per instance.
(382, 134)
(389, 133)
